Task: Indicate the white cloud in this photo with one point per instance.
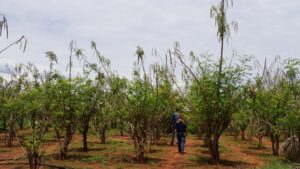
(266, 28)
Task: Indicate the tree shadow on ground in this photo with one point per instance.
(205, 152)
(125, 158)
(163, 143)
(89, 158)
(226, 163)
(156, 151)
(261, 154)
(89, 150)
(78, 156)
(257, 148)
(203, 146)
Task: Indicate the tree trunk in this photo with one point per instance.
(121, 131)
(139, 137)
(103, 136)
(10, 133)
(85, 129)
(44, 128)
(21, 123)
(157, 136)
(260, 143)
(84, 135)
(236, 133)
(140, 156)
(275, 143)
(277, 137)
(199, 133)
(298, 143)
(31, 159)
(34, 159)
(10, 130)
(67, 140)
(149, 142)
(243, 134)
(4, 123)
(139, 149)
(213, 145)
(206, 141)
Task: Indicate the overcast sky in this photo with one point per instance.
(266, 28)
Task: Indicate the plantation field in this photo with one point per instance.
(238, 110)
(118, 153)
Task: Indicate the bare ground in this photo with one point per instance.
(119, 153)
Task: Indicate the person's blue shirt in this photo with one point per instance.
(175, 118)
(180, 127)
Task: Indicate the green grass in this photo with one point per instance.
(92, 159)
(281, 164)
(119, 167)
(129, 149)
(49, 136)
(199, 159)
(117, 143)
(266, 156)
(1, 124)
(193, 158)
(4, 151)
(114, 132)
(222, 148)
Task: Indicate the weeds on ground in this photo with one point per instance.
(281, 164)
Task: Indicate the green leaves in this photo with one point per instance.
(219, 13)
(52, 56)
(140, 53)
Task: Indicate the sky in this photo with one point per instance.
(267, 28)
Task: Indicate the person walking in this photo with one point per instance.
(181, 133)
(175, 118)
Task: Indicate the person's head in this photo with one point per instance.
(177, 109)
(181, 116)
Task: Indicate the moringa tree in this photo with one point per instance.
(22, 41)
(292, 119)
(65, 95)
(214, 110)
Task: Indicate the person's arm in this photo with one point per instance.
(185, 127)
(174, 128)
(173, 119)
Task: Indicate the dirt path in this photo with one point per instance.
(251, 159)
(245, 152)
(237, 153)
(233, 154)
(172, 158)
(175, 160)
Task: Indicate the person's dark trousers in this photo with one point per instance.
(173, 137)
(182, 144)
(180, 139)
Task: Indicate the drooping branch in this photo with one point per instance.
(22, 41)
(3, 25)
